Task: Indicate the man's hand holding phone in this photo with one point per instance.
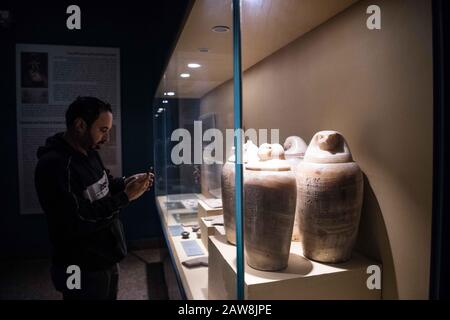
(137, 184)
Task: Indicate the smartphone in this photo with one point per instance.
(150, 171)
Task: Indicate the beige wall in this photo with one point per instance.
(375, 87)
(219, 102)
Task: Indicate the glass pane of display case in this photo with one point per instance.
(189, 126)
(349, 86)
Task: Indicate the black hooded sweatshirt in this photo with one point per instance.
(81, 201)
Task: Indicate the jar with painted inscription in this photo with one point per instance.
(270, 198)
(228, 190)
(294, 151)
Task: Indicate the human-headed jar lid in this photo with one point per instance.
(271, 158)
(250, 153)
(328, 147)
(294, 147)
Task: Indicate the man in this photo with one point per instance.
(82, 200)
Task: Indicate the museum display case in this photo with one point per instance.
(336, 98)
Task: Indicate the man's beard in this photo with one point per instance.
(88, 143)
(96, 146)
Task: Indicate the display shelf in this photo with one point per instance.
(208, 228)
(193, 280)
(302, 279)
(204, 210)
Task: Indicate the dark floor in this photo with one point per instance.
(144, 275)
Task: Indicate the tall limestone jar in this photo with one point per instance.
(228, 190)
(329, 199)
(294, 151)
(269, 199)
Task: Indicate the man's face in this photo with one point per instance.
(98, 133)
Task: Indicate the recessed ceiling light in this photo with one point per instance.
(171, 93)
(220, 29)
(185, 75)
(165, 101)
(194, 65)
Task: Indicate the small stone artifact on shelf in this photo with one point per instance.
(185, 235)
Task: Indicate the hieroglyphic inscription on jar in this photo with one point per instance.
(270, 199)
(329, 199)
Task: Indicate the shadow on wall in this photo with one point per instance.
(373, 240)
